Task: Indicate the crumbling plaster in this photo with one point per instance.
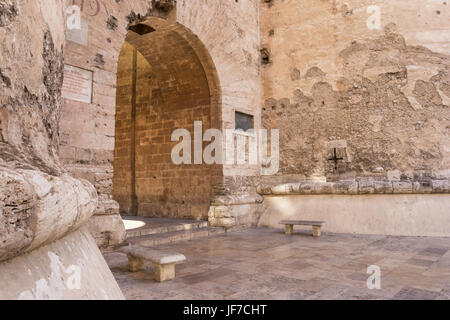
(380, 96)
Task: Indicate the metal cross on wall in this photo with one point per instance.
(335, 159)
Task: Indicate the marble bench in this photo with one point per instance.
(163, 262)
(316, 225)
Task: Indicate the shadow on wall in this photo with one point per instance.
(166, 80)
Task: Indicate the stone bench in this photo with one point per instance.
(316, 225)
(163, 262)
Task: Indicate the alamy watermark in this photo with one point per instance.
(374, 20)
(374, 281)
(229, 148)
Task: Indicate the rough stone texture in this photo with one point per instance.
(15, 214)
(378, 96)
(106, 225)
(50, 272)
(170, 93)
(39, 202)
(37, 209)
(8, 12)
(354, 187)
(30, 81)
(42, 208)
(88, 130)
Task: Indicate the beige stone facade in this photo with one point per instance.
(377, 92)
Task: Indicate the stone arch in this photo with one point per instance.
(186, 35)
(175, 83)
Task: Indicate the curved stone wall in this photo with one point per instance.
(44, 249)
(38, 209)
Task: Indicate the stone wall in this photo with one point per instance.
(378, 96)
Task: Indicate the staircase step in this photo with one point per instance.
(151, 240)
(160, 226)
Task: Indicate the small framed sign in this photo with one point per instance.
(77, 84)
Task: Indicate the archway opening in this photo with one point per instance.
(165, 81)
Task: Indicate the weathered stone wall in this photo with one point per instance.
(379, 96)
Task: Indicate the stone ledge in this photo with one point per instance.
(231, 200)
(357, 187)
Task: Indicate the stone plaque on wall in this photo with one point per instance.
(77, 84)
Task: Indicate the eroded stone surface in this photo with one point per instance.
(38, 208)
(381, 92)
(88, 130)
(31, 79)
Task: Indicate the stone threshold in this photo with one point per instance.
(142, 226)
(153, 240)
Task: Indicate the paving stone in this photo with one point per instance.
(263, 264)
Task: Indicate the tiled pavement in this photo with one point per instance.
(265, 264)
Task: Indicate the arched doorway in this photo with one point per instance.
(166, 80)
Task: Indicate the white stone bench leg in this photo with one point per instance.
(289, 229)
(317, 231)
(135, 264)
(164, 272)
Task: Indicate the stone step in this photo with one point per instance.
(159, 226)
(152, 240)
